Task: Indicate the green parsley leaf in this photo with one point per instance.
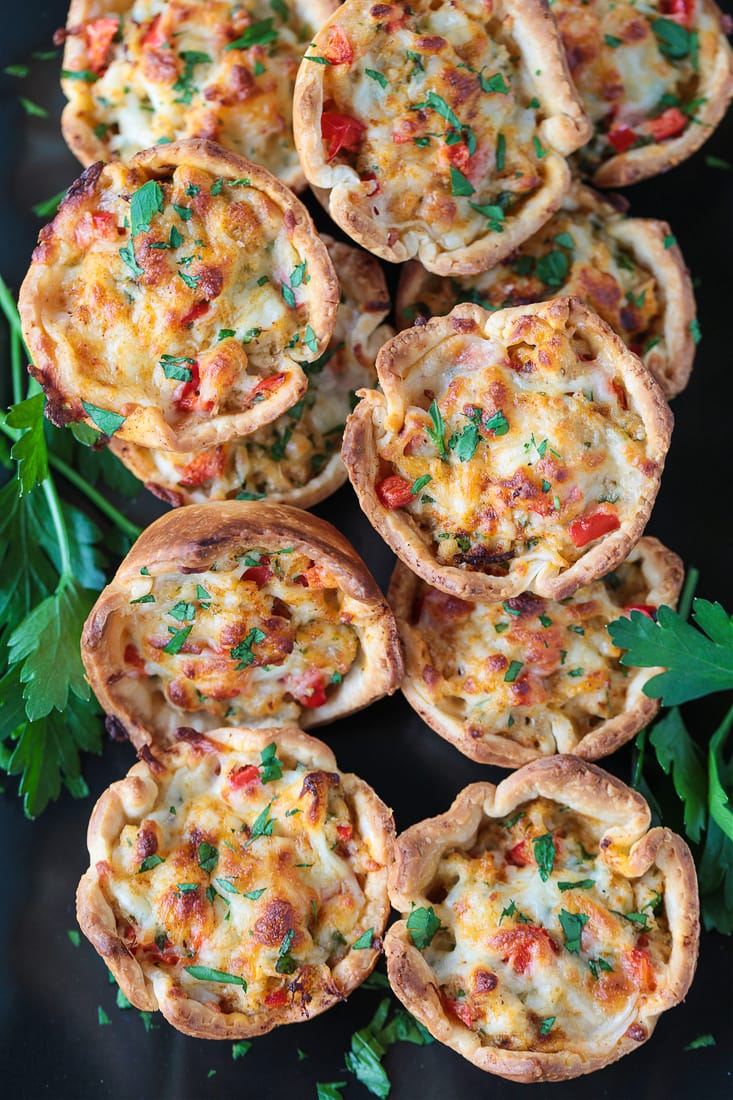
(185, 213)
(32, 108)
(420, 483)
(253, 895)
(85, 75)
(436, 103)
(674, 40)
(380, 78)
(29, 451)
(108, 422)
(437, 432)
(364, 940)
(544, 854)
(149, 863)
(270, 766)
(552, 268)
(288, 296)
(259, 33)
(612, 41)
(698, 661)
(706, 1040)
(718, 162)
(208, 857)
(464, 444)
(329, 1091)
(74, 936)
(500, 153)
(565, 240)
(175, 645)
(191, 281)
(512, 911)
(459, 184)
(670, 240)
(184, 85)
(150, 598)
(579, 884)
(173, 368)
(422, 924)
(102, 1017)
(492, 212)
(679, 756)
(546, 1025)
(240, 1048)
(16, 70)
(572, 925)
(594, 965)
(145, 203)
(309, 339)
(695, 331)
(243, 652)
(187, 887)
(538, 148)
(127, 255)
(286, 964)
(515, 667)
(498, 424)
(263, 824)
(48, 207)
(206, 974)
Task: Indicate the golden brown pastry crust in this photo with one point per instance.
(627, 847)
(670, 360)
(663, 572)
(150, 988)
(564, 129)
(83, 115)
(68, 374)
(404, 354)
(365, 302)
(189, 540)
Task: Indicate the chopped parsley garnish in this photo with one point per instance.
(492, 212)
(74, 936)
(438, 104)
(286, 964)
(107, 421)
(500, 153)
(102, 1017)
(185, 213)
(270, 767)
(513, 671)
(636, 918)
(695, 330)
(174, 369)
(149, 862)
(144, 204)
(263, 824)
(380, 78)
(572, 925)
(182, 611)
(191, 281)
(184, 85)
(544, 853)
(546, 621)
(512, 911)
(206, 974)
(422, 924)
(177, 641)
(288, 296)
(187, 887)
(150, 598)
(364, 940)
(240, 1048)
(420, 483)
(32, 108)
(701, 1041)
(127, 255)
(612, 41)
(437, 432)
(253, 895)
(460, 186)
(85, 75)
(565, 240)
(208, 856)
(546, 1025)
(243, 652)
(552, 268)
(538, 148)
(258, 33)
(594, 965)
(580, 884)
(675, 41)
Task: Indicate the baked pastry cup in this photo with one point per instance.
(136, 74)
(436, 131)
(510, 451)
(170, 292)
(655, 79)
(297, 458)
(237, 881)
(233, 613)
(509, 682)
(546, 929)
(629, 270)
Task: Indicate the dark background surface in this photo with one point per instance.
(51, 1042)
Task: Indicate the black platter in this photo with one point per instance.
(52, 1043)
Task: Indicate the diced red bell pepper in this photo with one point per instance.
(519, 855)
(204, 467)
(183, 398)
(196, 311)
(462, 1010)
(680, 11)
(277, 998)
(341, 132)
(154, 37)
(99, 36)
(394, 492)
(593, 525)
(345, 832)
(622, 138)
(244, 777)
(132, 657)
(669, 124)
(265, 387)
(310, 691)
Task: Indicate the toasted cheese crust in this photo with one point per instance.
(244, 880)
(232, 613)
(629, 270)
(508, 682)
(506, 445)
(171, 292)
(655, 79)
(161, 70)
(553, 927)
(436, 128)
(295, 459)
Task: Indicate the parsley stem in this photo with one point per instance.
(62, 535)
(122, 522)
(16, 366)
(691, 578)
(9, 308)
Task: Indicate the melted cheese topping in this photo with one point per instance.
(449, 112)
(536, 438)
(187, 315)
(295, 449)
(540, 673)
(507, 968)
(575, 252)
(625, 71)
(171, 72)
(251, 641)
(253, 870)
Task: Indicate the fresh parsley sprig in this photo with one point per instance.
(51, 568)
